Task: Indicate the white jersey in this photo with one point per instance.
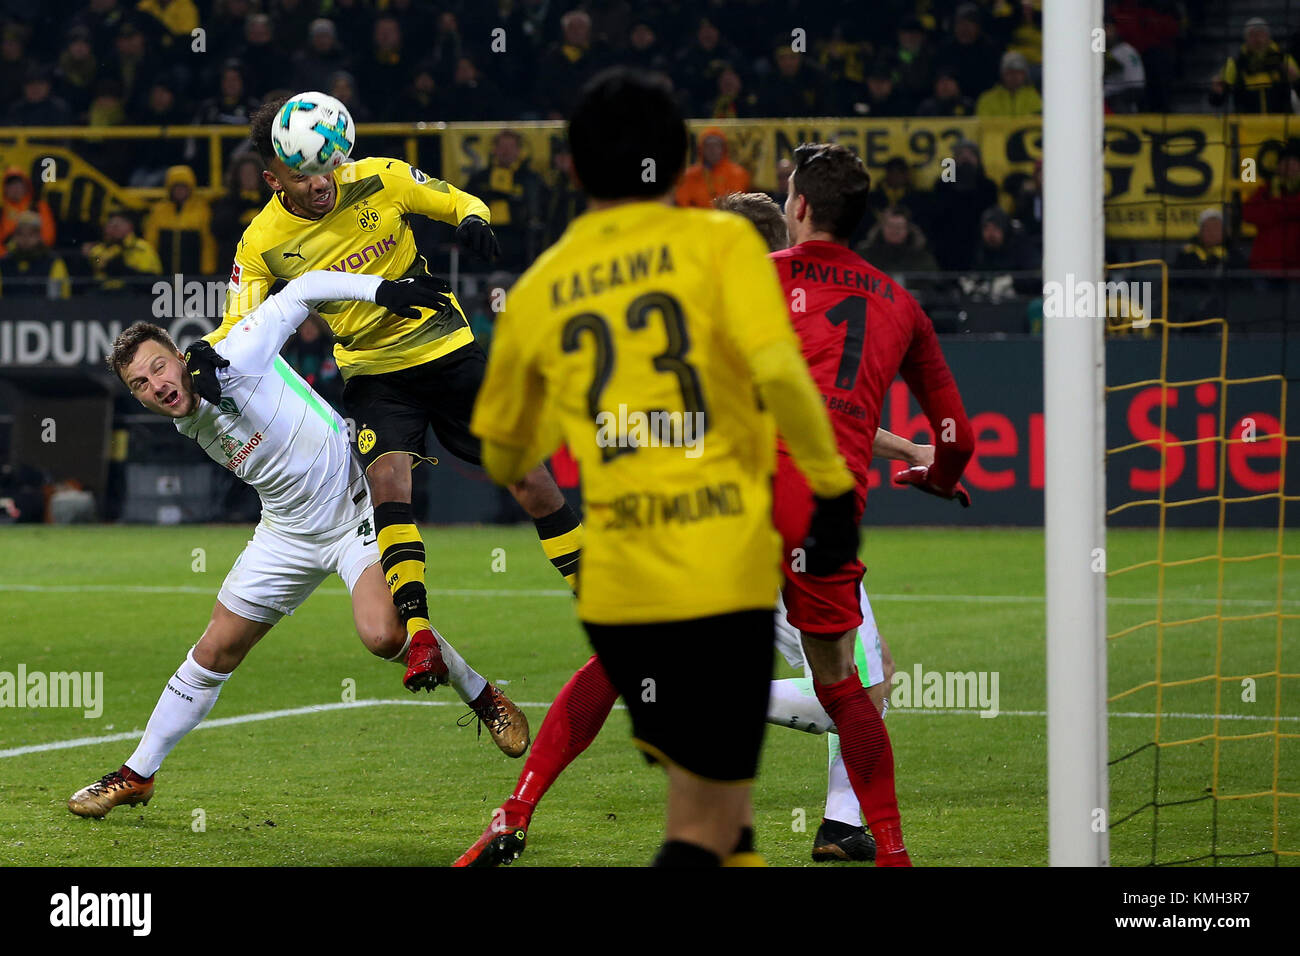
(270, 428)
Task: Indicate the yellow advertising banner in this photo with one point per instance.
(1160, 170)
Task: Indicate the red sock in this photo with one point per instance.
(869, 759)
(572, 723)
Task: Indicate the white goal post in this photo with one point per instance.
(1074, 372)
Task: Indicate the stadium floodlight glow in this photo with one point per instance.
(1074, 373)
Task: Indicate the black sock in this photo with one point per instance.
(746, 842)
(679, 853)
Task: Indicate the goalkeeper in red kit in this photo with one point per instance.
(858, 330)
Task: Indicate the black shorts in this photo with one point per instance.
(393, 410)
(696, 690)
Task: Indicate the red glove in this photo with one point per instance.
(919, 477)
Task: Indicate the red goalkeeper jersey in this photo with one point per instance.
(859, 330)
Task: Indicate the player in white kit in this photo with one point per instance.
(278, 435)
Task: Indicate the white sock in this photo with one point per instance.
(186, 700)
(467, 682)
(841, 801)
(793, 703)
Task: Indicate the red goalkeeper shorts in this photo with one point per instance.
(823, 606)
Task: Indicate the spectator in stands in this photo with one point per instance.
(315, 66)
(1028, 205)
(970, 55)
(103, 18)
(112, 157)
(161, 109)
(1210, 251)
(1152, 27)
(352, 17)
(948, 99)
(343, 87)
(644, 51)
(566, 66)
(797, 88)
(883, 97)
(895, 190)
(474, 96)
(76, 71)
(246, 193)
(913, 61)
(1125, 76)
(448, 46)
(715, 174)
(20, 199)
(386, 70)
(784, 169)
(171, 22)
(232, 105)
(422, 98)
(121, 259)
(1199, 289)
(567, 200)
(697, 68)
(13, 62)
(1274, 211)
(957, 203)
(1260, 76)
(267, 65)
(1000, 252)
(38, 106)
(310, 353)
(896, 246)
(516, 197)
(294, 17)
(225, 25)
(179, 227)
(27, 267)
(845, 62)
(1014, 95)
(129, 66)
(731, 101)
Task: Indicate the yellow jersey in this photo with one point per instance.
(366, 232)
(630, 339)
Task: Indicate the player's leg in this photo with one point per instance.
(868, 755)
(384, 635)
(188, 696)
(390, 425)
(570, 725)
(711, 765)
(452, 385)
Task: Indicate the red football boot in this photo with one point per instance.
(425, 668)
(501, 843)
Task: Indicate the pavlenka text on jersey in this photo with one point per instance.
(648, 509)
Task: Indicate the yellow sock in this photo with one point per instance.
(744, 859)
(561, 536)
(401, 555)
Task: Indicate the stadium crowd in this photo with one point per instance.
(134, 62)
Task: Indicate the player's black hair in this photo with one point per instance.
(624, 118)
(259, 128)
(836, 184)
(129, 341)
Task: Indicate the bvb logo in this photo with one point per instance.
(366, 440)
(368, 219)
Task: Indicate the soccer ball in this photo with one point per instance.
(313, 134)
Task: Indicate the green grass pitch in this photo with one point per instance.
(404, 785)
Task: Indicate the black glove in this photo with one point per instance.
(203, 361)
(832, 538)
(404, 296)
(476, 235)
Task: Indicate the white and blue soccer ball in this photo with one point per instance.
(313, 133)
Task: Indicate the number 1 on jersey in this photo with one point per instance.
(850, 311)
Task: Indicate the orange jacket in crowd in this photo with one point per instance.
(10, 211)
(700, 185)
